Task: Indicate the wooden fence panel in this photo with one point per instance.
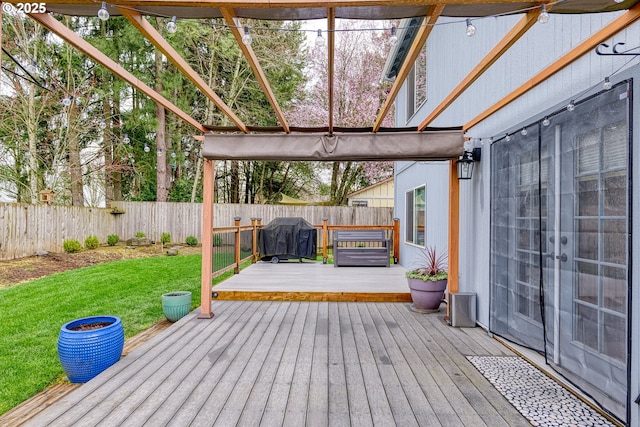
(24, 229)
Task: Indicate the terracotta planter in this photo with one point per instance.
(426, 295)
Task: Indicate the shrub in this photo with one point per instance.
(166, 238)
(217, 240)
(91, 242)
(113, 239)
(191, 241)
(140, 234)
(72, 246)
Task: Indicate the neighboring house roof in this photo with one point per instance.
(362, 190)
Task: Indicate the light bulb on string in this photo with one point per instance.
(173, 154)
(607, 84)
(246, 38)
(146, 148)
(186, 154)
(543, 18)
(319, 39)
(67, 101)
(125, 139)
(103, 13)
(102, 124)
(159, 152)
(507, 137)
(546, 121)
(393, 39)
(471, 29)
(571, 106)
(524, 132)
(172, 27)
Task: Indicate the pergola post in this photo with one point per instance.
(208, 183)
(396, 240)
(454, 231)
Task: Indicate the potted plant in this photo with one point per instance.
(176, 305)
(89, 345)
(428, 281)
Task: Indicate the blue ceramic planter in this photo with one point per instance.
(84, 354)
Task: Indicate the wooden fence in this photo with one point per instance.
(24, 229)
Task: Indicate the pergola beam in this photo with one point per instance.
(49, 22)
(253, 4)
(142, 25)
(518, 30)
(331, 44)
(251, 58)
(414, 51)
(611, 29)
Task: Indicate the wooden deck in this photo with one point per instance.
(314, 281)
(294, 363)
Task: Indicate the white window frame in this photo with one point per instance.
(412, 218)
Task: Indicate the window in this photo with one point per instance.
(417, 83)
(416, 216)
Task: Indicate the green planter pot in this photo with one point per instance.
(176, 305)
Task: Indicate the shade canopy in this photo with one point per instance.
(429, 145)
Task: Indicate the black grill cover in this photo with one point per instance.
(287, 237)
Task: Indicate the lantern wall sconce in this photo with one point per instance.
(465, 164)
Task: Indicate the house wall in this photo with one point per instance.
(378, 196)
(435, 177)
(541, 46)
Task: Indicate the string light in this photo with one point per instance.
(543, 18)
(103, 13)
(319, 39)
(471, 29)
(524, 132)
(173, 154)
(146, 148)
(172, 27)
(546, 121)
(507, 137)
(247, 39)
(393, 39)
(67, 101)
(159, 152)
(125, 139)
(607, 84)
(571, 106)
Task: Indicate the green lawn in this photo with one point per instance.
(31, 314)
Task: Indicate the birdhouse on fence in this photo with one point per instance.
(47, 196)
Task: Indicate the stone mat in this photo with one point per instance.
(537, 397)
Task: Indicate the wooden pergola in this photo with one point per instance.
(233, 11)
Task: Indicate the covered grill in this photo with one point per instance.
(287, 237)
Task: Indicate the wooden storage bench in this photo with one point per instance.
(362, 248)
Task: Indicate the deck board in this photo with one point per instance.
(296, 363)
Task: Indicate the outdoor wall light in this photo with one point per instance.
(465, 164)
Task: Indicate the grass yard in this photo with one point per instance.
(31, 314)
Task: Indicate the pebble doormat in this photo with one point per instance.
(537, 397)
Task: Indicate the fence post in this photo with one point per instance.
(236, 269)
(396, 240)
(325, 235)
(254, 238)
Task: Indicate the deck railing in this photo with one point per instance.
(238, 244)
